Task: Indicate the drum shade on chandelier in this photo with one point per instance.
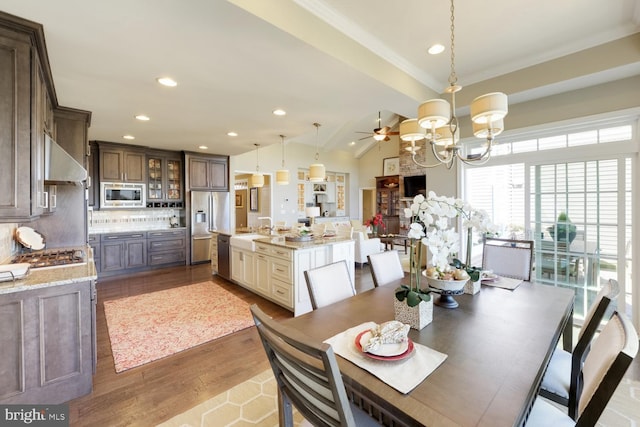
(438, 124)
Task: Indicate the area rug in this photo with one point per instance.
(251, 403)
(254, 402)
(151, 326)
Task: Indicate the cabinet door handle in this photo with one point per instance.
(279, 270)
(279, 292)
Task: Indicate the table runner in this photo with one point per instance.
(403, 375)
(503, 282)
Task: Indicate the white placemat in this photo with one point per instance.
(503, 282)
(403, 375)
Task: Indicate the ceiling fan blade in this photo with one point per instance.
(370, 136)
(384, 131)
(363, 132)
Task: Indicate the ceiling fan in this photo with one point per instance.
(380, 133)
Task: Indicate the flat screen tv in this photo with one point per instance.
(414, 185)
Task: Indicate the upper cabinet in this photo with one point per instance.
(164, 179)
(26, 100)
(207, 172)
(120, 164)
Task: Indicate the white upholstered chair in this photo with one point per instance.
(561, 378)
(329, 283)
(611, 354)
(386, 267)
(508, 258)
(365, 246)
(308, 377)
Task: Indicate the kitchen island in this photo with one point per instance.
(274, 268)
(49, 338)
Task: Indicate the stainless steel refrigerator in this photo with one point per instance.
(209, 212)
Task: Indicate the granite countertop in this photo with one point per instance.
(56, 276)
(122, 230)
(280, 241)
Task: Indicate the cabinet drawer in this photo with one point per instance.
(163, 245)
(122, 236)
(282, 252)
(282, 270)
(263, 248)
(166, 257)
(282, 292)
(165, 234)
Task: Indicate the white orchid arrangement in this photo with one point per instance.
(430, 222)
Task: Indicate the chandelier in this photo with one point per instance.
(438, 125)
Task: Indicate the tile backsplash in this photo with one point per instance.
(7, 244)
(110, 221)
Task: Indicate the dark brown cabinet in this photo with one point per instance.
(164, 180)
(122, 251)
(165, 247)
(388, 202)
(23, 99)
(47, 344)
(208, 172)
(121, 165)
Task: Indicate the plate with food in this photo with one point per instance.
(388, 341)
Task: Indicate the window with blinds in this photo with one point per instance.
(527, 196)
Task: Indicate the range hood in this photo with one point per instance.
(60, 167)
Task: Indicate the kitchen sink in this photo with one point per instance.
(245, 241)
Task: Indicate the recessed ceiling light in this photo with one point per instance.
(279, 112)
(352, 143)
(129, 137)
(203, 147)
(142, 118)
(167, 81)
(232, 133)
(436, 49)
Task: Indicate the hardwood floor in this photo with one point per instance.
(155, 392)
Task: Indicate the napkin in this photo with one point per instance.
(504, 282)
(403, 375)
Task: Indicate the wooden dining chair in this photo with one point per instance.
(508, 258)
(386, 267)
(561, 378)
(610, 356)
(329, 283)
(308, 377)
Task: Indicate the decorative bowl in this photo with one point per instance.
(446, 285)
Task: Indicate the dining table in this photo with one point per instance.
(497, 343)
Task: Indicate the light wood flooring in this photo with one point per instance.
(155, 392)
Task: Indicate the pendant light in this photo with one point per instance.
(317, 170)
(257, 179)
(438, 118)
(282, 175)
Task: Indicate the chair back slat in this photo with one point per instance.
(307, 375)
(386, 267)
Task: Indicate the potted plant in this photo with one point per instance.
(563, 230)
(374, 223)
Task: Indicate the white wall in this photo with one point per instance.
(285, 197)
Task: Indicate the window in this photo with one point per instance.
(525, 188)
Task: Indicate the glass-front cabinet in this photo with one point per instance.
(164, 182)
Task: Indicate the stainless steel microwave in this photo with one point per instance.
(122, 195)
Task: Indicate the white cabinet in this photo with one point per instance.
(274, 277)
(263, 278)
(242, 267)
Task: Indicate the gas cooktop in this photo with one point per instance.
(51, 258)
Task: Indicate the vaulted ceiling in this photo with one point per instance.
(335, 62)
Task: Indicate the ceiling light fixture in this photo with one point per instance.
(438, 117)
(167, 81)
(203, 147)
(317, 171)
(128, 137)
(282, 175)
(435, 49)
(142, 118)
(257, 179)
(232, 133)
(279, 112)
